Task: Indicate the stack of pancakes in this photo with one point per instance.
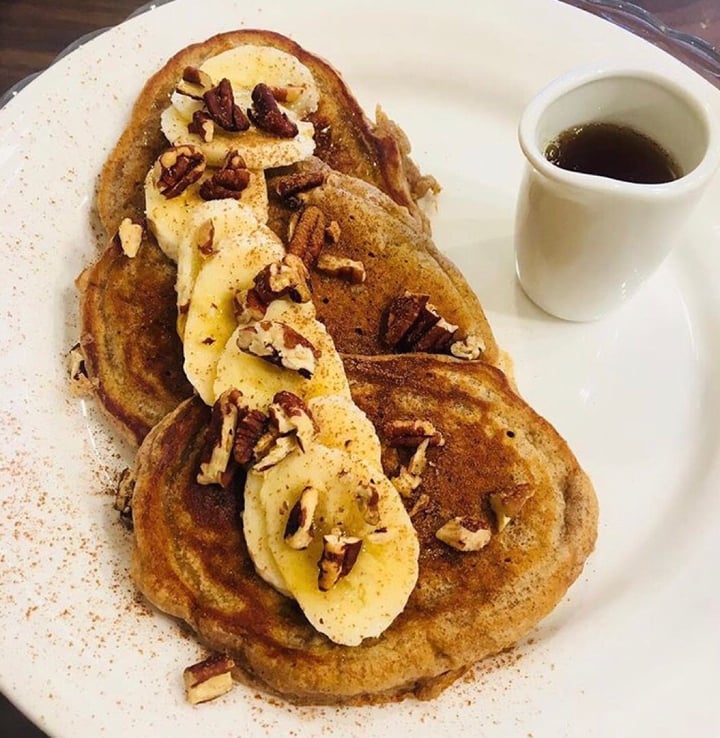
(190, 558)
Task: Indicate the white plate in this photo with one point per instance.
(634, 649)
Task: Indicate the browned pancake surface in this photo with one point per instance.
(346, 139)
(132, 351)
(190, 558)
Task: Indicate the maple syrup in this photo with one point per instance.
(614, 151)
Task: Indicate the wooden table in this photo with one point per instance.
(33, 33)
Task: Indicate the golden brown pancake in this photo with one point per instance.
(133, 355)
(137, 365)
(345, 138)
(190, 557)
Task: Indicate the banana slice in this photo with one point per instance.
(170, 218)
(343, 425)
(245, 67)
(260, 381)
(259, 150)
(217, 221)
(362, 602)
(210, 317)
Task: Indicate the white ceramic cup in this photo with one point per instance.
(585, 243)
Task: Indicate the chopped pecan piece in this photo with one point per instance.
(228, 181)
(287, 93)
(411, 433)
(290, 414)
(381, 535)
(339, 555)
(267, 116)
(279, 344)
(464, 533)
(123, 497)
(287, 277)
(180, 166)
(419, 505)
(368, 501)
(220, 103)
(470, 348)
(194, 83)
(130, 237)
(281, 447)
(288, 187)
(413, 324)
(299, 526)
(251, 427)
(208, 679)
(202, 125)
(409, 478)
(77, 370)
(341, 267)
(248, 306)
(507, 503)
(215, 467)
(332, 232)
(206, 238)
(308, 235)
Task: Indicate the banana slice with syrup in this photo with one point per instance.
(340, 537)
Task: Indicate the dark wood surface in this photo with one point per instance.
(33, 32)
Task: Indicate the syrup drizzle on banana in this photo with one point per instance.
(323, 524)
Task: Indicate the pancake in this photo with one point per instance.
(191, 561)
(134, 359)
(345, 138)
(128, 305)
(133, 355)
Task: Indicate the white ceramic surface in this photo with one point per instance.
(584, 244)
(635, 648)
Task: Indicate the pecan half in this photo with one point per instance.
(228, 181)
(339, 266)
(202, 125)
(220, 103)
(251, 427)
(464, 533)
(287, 277)
(180, 166)
(413, 324)
(289, 187)
(507, 503)
(267, 116)
(279, 344)
(339, 555)
(215, 467)
(290, 414)
(299, 527)
(124, 496)
(411, 433)
(194, 83)
(208, 679)
(308, 235)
